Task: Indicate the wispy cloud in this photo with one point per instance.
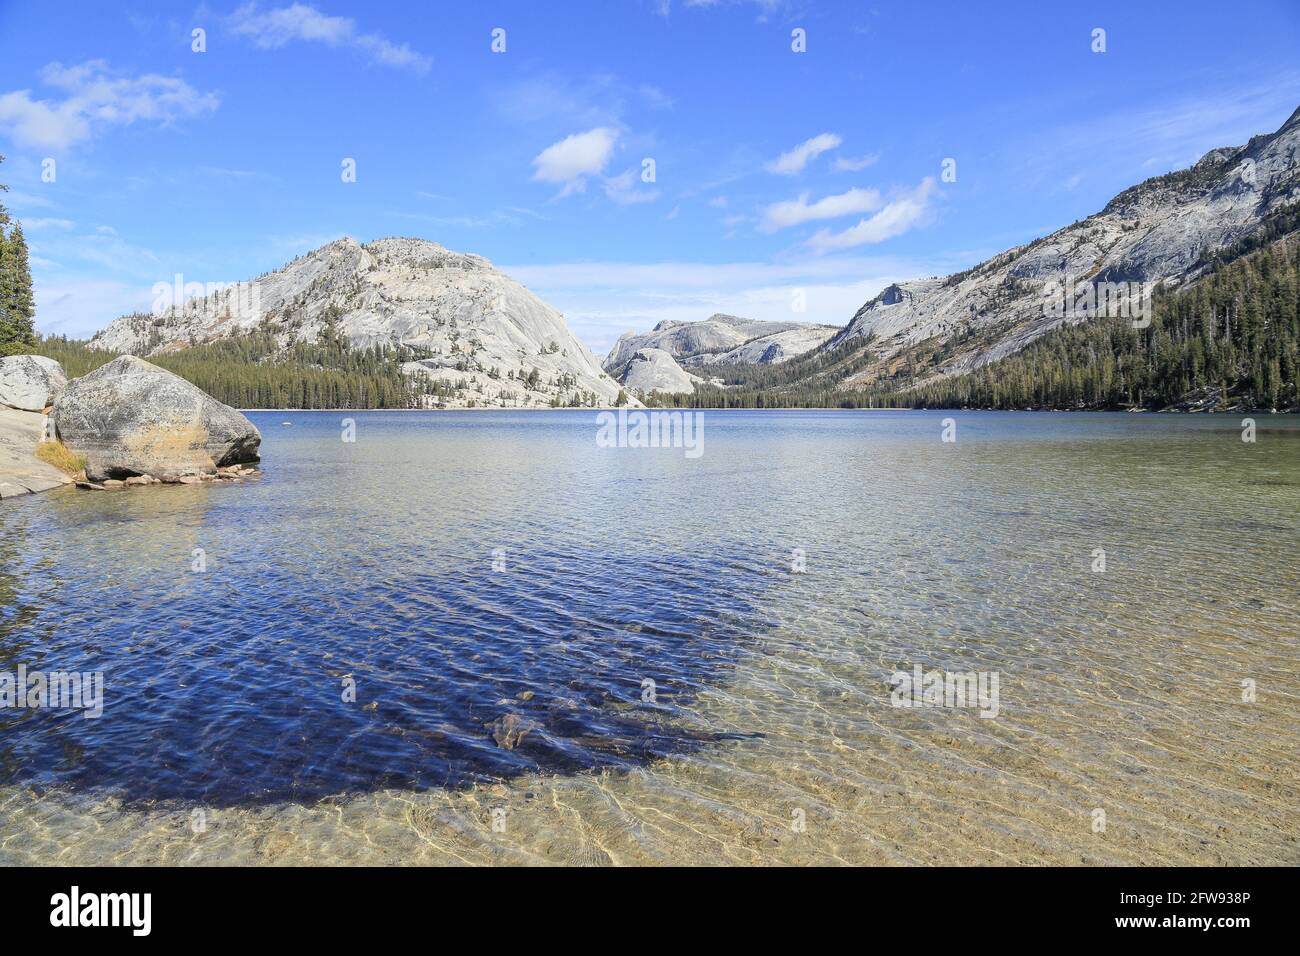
(1151, 138)
(280, 26)
(506, 216)
(624, 189)
(103, 248)
(96, 97)
(573, 159)
(21, 200)
(853, 164)
(596, 100)
(789, 163)
(71, 300)
(79, 307)
(895, 218)
(766, 8)
(222, 172)
(38, 223)
(792, 212)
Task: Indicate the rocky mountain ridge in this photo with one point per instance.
(655, 370)
(723, 339)
(1163, 231)
(481, 335)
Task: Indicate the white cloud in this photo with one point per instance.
(574, 158)
(897, 217)
(853, 164)
(623, 190)
(278, 27)
(792, 212)
(46, 223)
(388, 53)
(787, 164)
(97, 97)
(766, 8)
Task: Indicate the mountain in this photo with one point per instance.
(1165, 230)
(1228, 341)
(655, 370)
(465, 332)
(723, 339)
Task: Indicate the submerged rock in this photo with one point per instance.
(132, 418)
(509, 730)
(30, 382)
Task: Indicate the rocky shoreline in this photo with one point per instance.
(21, 472)
(126, 424)
(225, 473)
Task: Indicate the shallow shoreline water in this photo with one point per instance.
(772, 738)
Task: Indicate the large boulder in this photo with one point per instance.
(133, 418)
(30, 382)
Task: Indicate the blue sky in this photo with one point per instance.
(775, 171)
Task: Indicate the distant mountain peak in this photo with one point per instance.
(721, 339)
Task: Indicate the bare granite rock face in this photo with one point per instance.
(481, 333)
(30, 382)
(1161, 231)
(132, 418)
(654, 370)
(723, 339)
(21, 472)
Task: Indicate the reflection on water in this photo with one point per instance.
(770, 703)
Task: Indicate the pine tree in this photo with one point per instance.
(17, 329)
(5, 268)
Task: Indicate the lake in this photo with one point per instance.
(491, 637)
